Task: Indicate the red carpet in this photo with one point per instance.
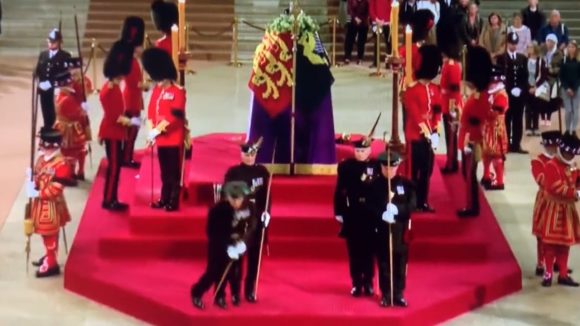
(144, 262)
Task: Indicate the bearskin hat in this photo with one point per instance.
(133, 31)
(430, 62)
(164, 15)
(158, 64)
(422, 22)
(478, 67)
(119, 60)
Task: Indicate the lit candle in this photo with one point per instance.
(181, 10)
(395, 29)
(175, 45)
(408, 55)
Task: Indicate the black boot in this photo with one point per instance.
(400, 302)
(251, 298)
(547, 281)
(197, 303)
(158, 204)
(236, 299)
(467, 213)
(567, 281)
(115, 206)
(53, 271)
(385, 302)
(368, 290)
(356, 291)
(486, 183)
(221, 302)
(539, 270)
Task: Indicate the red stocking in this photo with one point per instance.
(51, 246)
(81, 158)
(540, 252)
(562, 259)
(549, 255)
(486, 168)
(499, 168)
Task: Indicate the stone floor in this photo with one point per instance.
(218, 101)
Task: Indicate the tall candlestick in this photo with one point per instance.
(395, 29)
(175, 45)
(408, 55)
(181, 11)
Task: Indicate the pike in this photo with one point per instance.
(28, 207)
(374, 126)
(83, 89)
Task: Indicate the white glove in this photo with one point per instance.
(136, 121)
(388, 217)
(85, 107)
(392, 208)
(467, 150)
(233, 253)
(434, 140)
(241, 248)
(453, 114)
(28, 173)
(265, 218)
(577, 193)
(45, 85)
(31, 191)
(153, 133)
(516, 91)
(339, 219)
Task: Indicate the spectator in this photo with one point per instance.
(434, 7)
(534, 18)
(539, 95)
(472, 26)
(554, 58)
(493, 36)
(556, 27)
(463, 6)
(380, 13)
(407, 11)
(570, 86)
(523, 32)
(342, 13)
(357, 28)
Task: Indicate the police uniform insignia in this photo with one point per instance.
(400, 190)
(256, 183)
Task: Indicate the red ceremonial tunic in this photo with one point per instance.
(475, 111)
(538, 172)
(168, 104)
(132, 93)
(112, 101)
(420, 102)
(380, 10)
(77, 85)
(164, 43)
(49, 211)
(560, 225)
(495, 144)
(70, 121)
(451, 75)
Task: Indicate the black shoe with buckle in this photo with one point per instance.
(356, 291)
(467, 213)
(547, 281)
(385, 302)
(539, 270)
(236, 299)
(221, 302)
(368, 290)
(115, 206)
(251, 298)
(400, 302)
(567, 281)
(53, 271)
(160, 204)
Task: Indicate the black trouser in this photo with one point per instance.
(450, 142)
(382, 253)
(422, 159)
(252, 263)
(514, 121)
(47, 106)
(129, 146)
(216, 266)
(387, 38)
(170, 165)
(360, 259)
(532, 113)
(469, 169)
(114, 150)
(358, 32)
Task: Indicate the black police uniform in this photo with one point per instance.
(405, 199)
(47, 69)
(353, 189)
(257, 178)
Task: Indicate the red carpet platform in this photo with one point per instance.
(144, 262)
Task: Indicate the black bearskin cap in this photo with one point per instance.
(164, 14)
(431, 61)
(159, 64)
(133, 31)
(478, 67)
(421, 23)
(119, 60)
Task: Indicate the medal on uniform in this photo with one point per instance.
(400, 190)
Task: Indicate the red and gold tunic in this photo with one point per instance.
(451, 86)
(166, 112)
(538, 169)
(132, 92)
(560, 225)
(49, 211)
(70, 121)
(495, 142)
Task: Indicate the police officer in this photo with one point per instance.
(355, 176)
(257, 178)
(227, 240)
(51, 62)
(516, 72)
(393, 201)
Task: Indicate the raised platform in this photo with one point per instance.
(144, 262)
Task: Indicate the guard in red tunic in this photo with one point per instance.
(114, 126)
(495, 140)
(422, 103)
(133, 34)
(48, 212)
(475, 111)
(560, 226)
(550, 142)
(452, 101)
(71, 123)
(165, 15)
(166, 115)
